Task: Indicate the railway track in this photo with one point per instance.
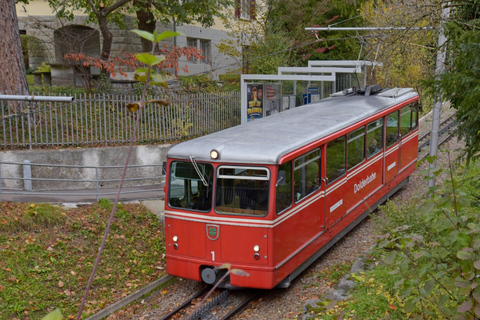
(445, 132)
(221, 305)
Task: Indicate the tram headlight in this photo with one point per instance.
(256, 248)
(214, 154)
(175, 238)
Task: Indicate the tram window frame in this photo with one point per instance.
(391, 137)
(374, 138)
(415, 107)
(195, 196)
(283, 192)
(306, 175)
(352, 147)
(242, 200)
(338, 170)
(405, 112)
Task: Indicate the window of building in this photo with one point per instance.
(205, 47)
(245, 9)
(336, 159)
(392, 128)
(405, 120)
(307, 174)
(192, 43)
(284, 188)
(356, 147)
(374, 137)
(202, 45)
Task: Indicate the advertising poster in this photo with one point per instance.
(254, 105)
(272, 98)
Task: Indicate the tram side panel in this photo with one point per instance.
(363, 182)
(297, 235)
(409, 149)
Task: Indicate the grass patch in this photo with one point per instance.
(47, 255)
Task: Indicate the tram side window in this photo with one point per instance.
(392, 128)
(415, 116)
(284, 188)
(405, 120)
(242, 190)
(356, 147)
(336, 159)
(307, 174)
(374, 137)
(189, 190)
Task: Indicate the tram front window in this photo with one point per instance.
(190, 187)
(242, 190)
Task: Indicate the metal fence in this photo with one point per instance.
(103, 119)
(25, 181)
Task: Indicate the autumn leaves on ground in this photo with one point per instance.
(47, 255)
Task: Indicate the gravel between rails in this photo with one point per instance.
(288, 303)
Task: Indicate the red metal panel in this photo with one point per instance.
(364, 181)
(191, 238)
(391, 162)
(237, 244)
(409, 149)
(306, 221)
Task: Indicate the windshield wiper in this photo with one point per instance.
(205, 183)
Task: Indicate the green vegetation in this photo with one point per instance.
(429, 256)
(47, 255)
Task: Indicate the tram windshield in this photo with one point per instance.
(191, 185)
(242, 190)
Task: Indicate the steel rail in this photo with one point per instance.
(185, 304)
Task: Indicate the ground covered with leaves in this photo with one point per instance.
(47, 255)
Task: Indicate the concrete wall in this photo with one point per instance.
(87, 157)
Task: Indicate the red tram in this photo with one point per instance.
(270, 196)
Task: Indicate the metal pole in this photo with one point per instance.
(36, 98)
(437, 108)
(0, 182)
(97, 184)
(27, 175)
(365, 28)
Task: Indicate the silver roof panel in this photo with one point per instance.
(266, 140)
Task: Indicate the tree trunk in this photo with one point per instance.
(146, 21)
(13, 78)
(106, 33)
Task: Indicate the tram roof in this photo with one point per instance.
(266, 140)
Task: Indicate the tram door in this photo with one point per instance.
(392, 146)
(335, 199)
(408, 124)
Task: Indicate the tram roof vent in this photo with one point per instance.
(395, 92)
(342, 93)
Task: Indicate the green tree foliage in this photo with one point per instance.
(407, 54)
(277, 36)
(202, 12)
(460, 83)
(292, 17)
(434, 251)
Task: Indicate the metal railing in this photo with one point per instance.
(34, 181)
(103, 120)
